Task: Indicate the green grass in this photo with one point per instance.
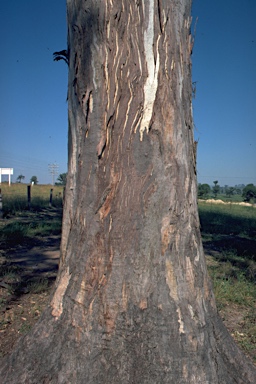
(229, 288)
(229, 239)
(227, 219)
(38, 285)
(14, 197)
(25, 328)
(18, 232)
(233, 198)
(23, 232)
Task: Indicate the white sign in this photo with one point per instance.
(6, 171)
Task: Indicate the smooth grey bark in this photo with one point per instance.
(132, 302)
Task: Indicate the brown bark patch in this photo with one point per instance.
(143, 304)
(171, 280)
(56, 302)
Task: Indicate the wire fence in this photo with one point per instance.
(20, 197)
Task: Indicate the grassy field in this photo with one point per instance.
(229, 238)
(14, 197)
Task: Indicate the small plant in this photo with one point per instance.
(14, 233)
(44, 228)
(38, 285)
(233, 290)
(25, 328)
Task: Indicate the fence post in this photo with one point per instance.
(29, 196)
(1, 205)
(50, 202)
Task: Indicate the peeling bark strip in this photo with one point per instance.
(57, 301)
(132, 302)
(152, 63)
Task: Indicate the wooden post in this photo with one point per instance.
(1, 205)
(29, 196)
(50, 202)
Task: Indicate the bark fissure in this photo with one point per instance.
(159, 15)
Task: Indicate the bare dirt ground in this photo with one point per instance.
(21, 307)
(28, 272)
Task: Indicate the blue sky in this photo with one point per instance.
(33, 91)
(224, 66)
(33, 124)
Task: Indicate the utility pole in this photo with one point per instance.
(53, 169)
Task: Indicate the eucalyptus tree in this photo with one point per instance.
(20, 178)
(132, 301)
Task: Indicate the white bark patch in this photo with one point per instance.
(180, 321)
(180, 79)
(116, 65)
(190, 277)
(197, 258)
(191, 311)
(151, 84)
(57, 301)
(91, 103)
(124, 297)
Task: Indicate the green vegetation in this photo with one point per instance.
(228, 233)
(15, 199)
(38, 285)
(238, 193)
(28, 267)
(249, 193)
(62, 179)
(34, 180)
(216, 188)
(229, 239)
(228, 219)
(20, 178)
(204, 191)
(19, 232)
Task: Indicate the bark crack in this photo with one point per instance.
(103, 198)
(159, 15)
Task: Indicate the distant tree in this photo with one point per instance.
(20, 178)
(230, 191)
(62, 179)
(216, 188)
(204, 190)
(34, 180)
(249, 193)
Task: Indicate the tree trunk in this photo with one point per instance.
(133, 302)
